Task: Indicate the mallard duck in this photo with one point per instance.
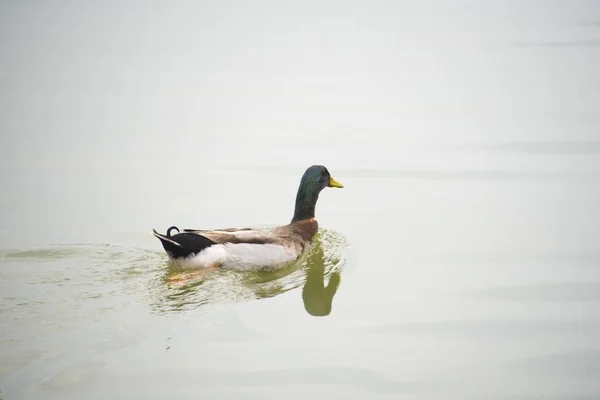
(251, 248)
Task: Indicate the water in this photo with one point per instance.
(461, 259)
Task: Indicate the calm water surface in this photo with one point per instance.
(460, 261)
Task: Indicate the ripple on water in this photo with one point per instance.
(101, 278)
(52, 297)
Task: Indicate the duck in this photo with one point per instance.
(252, 248)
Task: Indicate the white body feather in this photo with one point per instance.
(242, 256)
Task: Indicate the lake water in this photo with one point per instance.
(460, 261)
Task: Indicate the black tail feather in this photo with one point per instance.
(183, 245)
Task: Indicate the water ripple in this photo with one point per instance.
(101, 278)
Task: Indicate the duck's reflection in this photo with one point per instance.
(316, 296)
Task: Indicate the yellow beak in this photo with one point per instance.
(334, 183)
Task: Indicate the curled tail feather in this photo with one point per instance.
(170, 229)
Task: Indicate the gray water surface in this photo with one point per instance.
(460, 261)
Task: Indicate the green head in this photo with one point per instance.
(315, 179)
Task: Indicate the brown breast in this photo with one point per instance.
(306, 228)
